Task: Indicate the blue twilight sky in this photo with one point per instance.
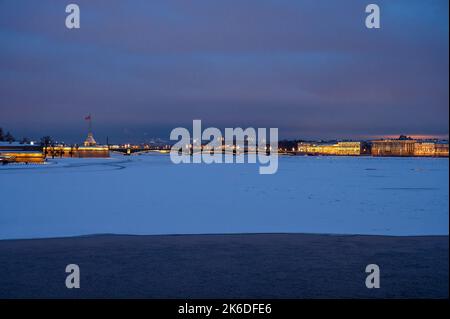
(310, 68)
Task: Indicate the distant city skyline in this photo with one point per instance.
(142, 68)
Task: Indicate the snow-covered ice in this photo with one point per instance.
(147, 194)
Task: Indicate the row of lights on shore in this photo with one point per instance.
(235, 147)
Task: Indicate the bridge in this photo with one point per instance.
(231, 151)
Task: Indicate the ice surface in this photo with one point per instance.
(148, 194)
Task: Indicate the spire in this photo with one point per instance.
(90, 141)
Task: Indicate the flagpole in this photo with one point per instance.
(90, 123)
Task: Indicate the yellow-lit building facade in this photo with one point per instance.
(409, 148)
(22, 157)
(340, 149)
(393, 148)
(431, 149)
(20, 153)
(76, 151)
(38, 154)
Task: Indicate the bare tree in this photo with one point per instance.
(9, 138)
(46, 141)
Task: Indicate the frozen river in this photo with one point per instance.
(148, 194)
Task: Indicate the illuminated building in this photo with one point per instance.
(76, 151)
(340, 148)
(20, 153)
(409, 147)
(432, 149)
(400, 147)
(441, 149)
(90, 141)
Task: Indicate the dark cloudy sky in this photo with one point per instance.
(310, 68)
